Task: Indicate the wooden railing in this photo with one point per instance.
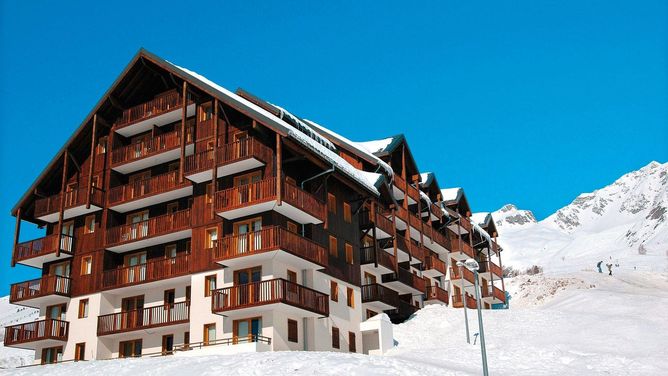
(44, 286)
(73, 198)
(439, 238)
(436, 210)
(493, 292)
(265, 190)
(163, 103)
(44, 246)
(376, 292)
(433, 262)
(36, 331)
(268, 292)
(153, 270)
(488, 266)
(465, 223)
(470, 301)
(455, 276)
(436, 293)
(400, 183)
(367, 218)
(235, 340)
(160, 225)
(406, 277)
(460, 245)
(229, 153)
(154, 145)
(368, 256)
(270, 239)
(151, 317)
(143, 188)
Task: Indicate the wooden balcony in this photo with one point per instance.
(154, 190)
(487, 268)
(493, 295)
(152, 271)
(462, 226)
(399, 190)
(47, 290)
(157, 230)
(460, 249)
(401, 219)
(255, 297)
(456, 278)
(163, 109)
(438, 242)
(457, 301)
(382, 259)
(231, 158)
(384, 226)
(436, 212)
(404, 282)
(262, 196)
(434, 266)
(39, 251)
(154, 151)
(42, 333)
(403, 312)
(270, 243)
(435, 294)
(145, 318)
(48, 209)
(379, 298)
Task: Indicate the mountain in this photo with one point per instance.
(626, 220)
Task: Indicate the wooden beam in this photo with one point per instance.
(184, 114)
(403, 176)
(373, 216)
(76, 164)
(279, 172)
(394, 238)
(62, 201)
(115, 102)
(214, 173)
(91, 165)
(17, 233)
(227, 124)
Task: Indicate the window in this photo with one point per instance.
(169, 297)
(52, 355)
(167, 344)
(292, 227)
(335, 338)
(347, 213)
(209, 284)
(334, 291)
(351, 342)
(80, 352)
(331, 203)
(370, 313)
(129, 349)
(293, 335)
(186, 340)
(292, 276)
(246, 329)
(172, 207)
(333, 246)
(211, 237)
(187, 293)
(83, 308)
(350, 297)
(86, 265)
(209, 334)
(170, 251)
(349, 253)
(89, 227)
(101, 145)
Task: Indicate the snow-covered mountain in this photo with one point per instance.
(626, 220)
(10, 315)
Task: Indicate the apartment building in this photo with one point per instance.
(181, 216)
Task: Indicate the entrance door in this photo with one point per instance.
(56, 312)
(248, 192)
(132, 312)
(369, 278)
(138, 146)
(249, 235)
(167, 344)
(60, 270)
(136, 267)
(241, 144)
(247, 330)
(67, 234)
(138, 225)
(138, 184)
(247, 290)
(71, 194)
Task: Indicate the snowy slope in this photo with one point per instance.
(615, 223)
(10, 315)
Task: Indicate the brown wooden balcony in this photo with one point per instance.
(252, 298)
(154, 151)
(154, 190)
(165, 108)
(435, 294)
(401, 215)
(144, 318)
(399, 190)
(43, 333)
(156, 230)
(379, 259)
(493, 295)
(461, 226)
(39, 251)
(49, 290)
(434, 266)
(153, 270)
(383, 224)
(460, 249)
(487, 268)
(47, 209)
(436, 212)
(270, 243)
(350, 273)
(231, 158)
(438, 242)
(456, 278)
(254, 198)
(404, 282)
(470, 301)
(379, 297)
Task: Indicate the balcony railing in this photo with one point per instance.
(383, 223)
(145, 318)
(436, 293)
(368, 255)
(229, 153)
(457, 301)
(153, 270)
(406, 277)
(73, 198)
(147, 187)
(400, 183)
(459, 245)
(456, 277)
(268, 292)
(488, 266)
(379, 293)
(433, 262)
(161, 104)
(36, 288)
(36, 331)
(493, 292)
(270, 239)
(154, 145)
(156, 226)
(265, 190)
(44, 246)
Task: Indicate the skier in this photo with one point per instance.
(609, 268)
(599, 266)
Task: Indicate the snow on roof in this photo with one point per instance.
(425, 197)
(302, 134)
(481, 231)
(480, 218)
(305, 128)
(376, 146)
(450, 194)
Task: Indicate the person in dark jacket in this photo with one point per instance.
(599, 266)
(609, 268)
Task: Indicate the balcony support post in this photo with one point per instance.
(92, 162)
(17, 233)
(394, 238)
(214, 173)
(62, 202)
(279, 168)
(373, 229)
(503, 286)
(184, 114)
(403, 176)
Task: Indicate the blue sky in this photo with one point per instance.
(521, 103)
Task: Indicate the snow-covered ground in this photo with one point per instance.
(11, 315)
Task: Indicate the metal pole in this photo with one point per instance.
(485, 372)
(466, 318)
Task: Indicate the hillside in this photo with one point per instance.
(10, 315)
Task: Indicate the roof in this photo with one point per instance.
(481, 218)
(451, 194)
(377, 146)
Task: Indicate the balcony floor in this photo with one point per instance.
(147, 242)
(160, 120)
(137, 286)
(256, 310)
(286, 209)
(42, 301)
(377, 306)
(252, 259)
(167, 155)
(432, 273)
(456, 229)
(399, 195)
(42, 343)
(39, 261)
(150, 200)
(70, 213)
(226, 169)
(434, 246)
(402, 255)
(459, 256)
